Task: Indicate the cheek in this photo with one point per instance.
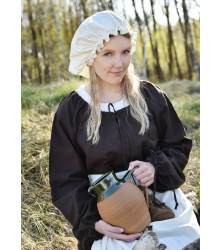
(101, 66)
(127, 62)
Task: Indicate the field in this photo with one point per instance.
(43, 226)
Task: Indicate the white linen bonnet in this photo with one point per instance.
(90, 37)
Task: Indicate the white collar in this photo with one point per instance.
(104, 106)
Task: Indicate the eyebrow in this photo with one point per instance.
(113, 50)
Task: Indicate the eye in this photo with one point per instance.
(107, 54)
(126, 51)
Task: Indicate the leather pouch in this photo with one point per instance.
(158, 210)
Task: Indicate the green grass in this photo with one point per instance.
(43, 226)
(49, 95)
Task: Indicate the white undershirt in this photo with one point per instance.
(104, 106)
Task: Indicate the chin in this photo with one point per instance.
(116, 81)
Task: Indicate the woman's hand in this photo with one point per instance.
(145, 172)
(114, 232)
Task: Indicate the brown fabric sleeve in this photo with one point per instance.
(171, 154)
(69, 179)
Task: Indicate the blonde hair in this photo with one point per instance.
(131, 90)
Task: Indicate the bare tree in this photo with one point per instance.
(76, 8)
(195, 28)
(49, 41)
(101, 5)
(171, 43)
(139, 21)
(24, 74)
(161, 39)
(144, 69)
(83, 5)
(153, 16)
(153, 47)
(187, 50)
(65, 27)
(124, 12)
(192, 51)
(110, 5)
(70, 15)
(59, 35)
(34, 41)
(46, 62)
(43, 50)
(136, 65)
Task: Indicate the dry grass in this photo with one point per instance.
(43, 226)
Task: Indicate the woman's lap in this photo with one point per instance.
(174, 233)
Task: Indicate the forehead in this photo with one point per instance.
(118, 41)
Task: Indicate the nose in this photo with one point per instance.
(118, 61)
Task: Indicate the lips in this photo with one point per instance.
(116, 73)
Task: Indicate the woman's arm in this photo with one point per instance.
(171, 154)
(69, 179)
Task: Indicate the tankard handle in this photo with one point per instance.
(145, 191)
(146, 196)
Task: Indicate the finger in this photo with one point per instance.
(113, 229)
(146, 169)
(146, 179)
(141, 170)
(133, 164)
(147, 184)
(127, 237)
(143, 175)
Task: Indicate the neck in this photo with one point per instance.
(108, 93)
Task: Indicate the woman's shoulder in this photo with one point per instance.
(71, 104)
(152, 92)
(150, 87)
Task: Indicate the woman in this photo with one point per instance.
(116, 122)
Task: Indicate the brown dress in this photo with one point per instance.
(73, 158)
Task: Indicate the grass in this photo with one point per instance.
(43, 226)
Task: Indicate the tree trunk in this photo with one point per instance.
(76, 8)
(161, 38)
(24, 74)
(34, 42)
(144, 69)
(102, 5)
(169, 48)
(154, 48)
(83, 5)
(59, 36)
(136, 65)
(46, 63)
(65, 28)
(110, 5)
(177, 63)
(139, 21)
(187, 51)
(51, 48)
(152, 12)
(196, 39)
(70, 14)
(171, 44)
(192, 51)
(40, 12)
(124, 12)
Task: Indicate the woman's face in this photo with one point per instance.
(113, 60)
